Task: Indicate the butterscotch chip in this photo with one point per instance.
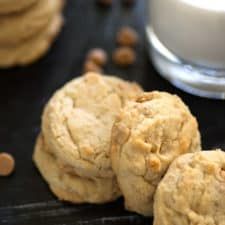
(98, 56)
(155, 129)
(127, 36)
(190, 192)
(7, 164)
(124, 56)
(90, 66)
(105, 2)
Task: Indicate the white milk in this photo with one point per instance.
(193, 30)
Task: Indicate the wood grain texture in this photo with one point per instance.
(24, 197)
(57, 213)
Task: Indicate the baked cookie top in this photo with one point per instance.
(147, 136)
(192, 191)
(77, 122)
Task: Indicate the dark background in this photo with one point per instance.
(24, 197)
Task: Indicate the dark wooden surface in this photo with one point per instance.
(24, 197)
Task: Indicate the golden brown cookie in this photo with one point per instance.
(18, 27)
(147, 136)
(76, 128)
(69, 186)
(192, 191)
(12, 6)
(32, 49)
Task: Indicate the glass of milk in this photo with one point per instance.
(188, 44)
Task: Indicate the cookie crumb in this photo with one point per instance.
(90, 66)
(7, 164)
(105, 3)
(98, 56)
(124, 56)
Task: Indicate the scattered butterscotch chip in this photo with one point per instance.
(105, 2)
(98, 56)
(90, 66)
(124, 56)
(128, 2)
(127, 36)
(7, 164)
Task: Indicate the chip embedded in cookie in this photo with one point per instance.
(147, 136)
(76, 137)
(192, 191)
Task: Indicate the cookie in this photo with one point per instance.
(18, 27)
(32, 49)
(67, 185)
(12, 6)
(76, 128)
(192, 191)
(147, 136)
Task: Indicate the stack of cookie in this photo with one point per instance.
(28, 28)
(72, 151)
(99, 141)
